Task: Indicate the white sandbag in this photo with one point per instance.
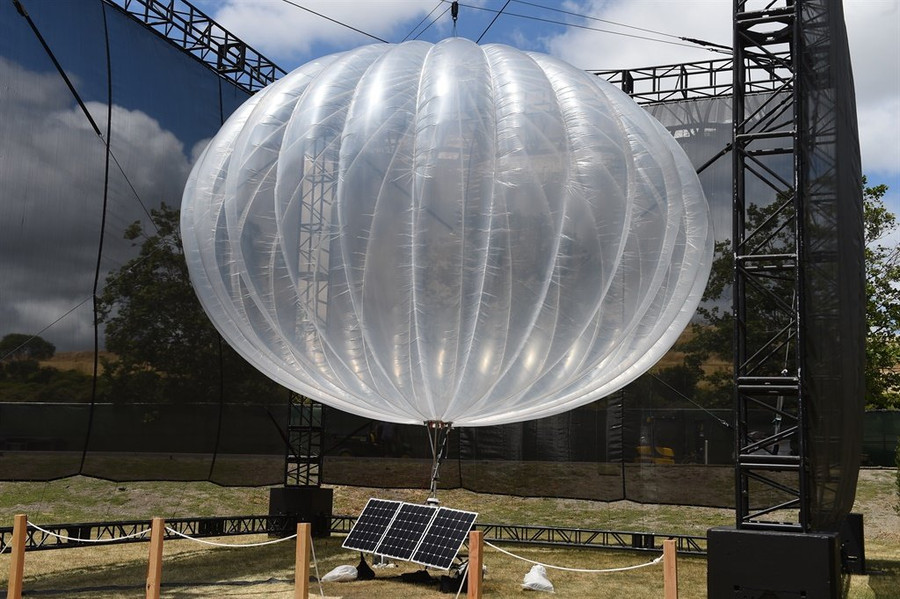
(341, 574)
(536, 580)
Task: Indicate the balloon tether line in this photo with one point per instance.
(438, 434)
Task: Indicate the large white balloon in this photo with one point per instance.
(450, 232)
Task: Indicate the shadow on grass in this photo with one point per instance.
(205, 567)
(118, 588)
(884, 578)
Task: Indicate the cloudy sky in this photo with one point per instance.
(592, 34)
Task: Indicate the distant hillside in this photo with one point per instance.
(675, 358)
(80, 361)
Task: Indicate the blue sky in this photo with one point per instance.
(290, 36)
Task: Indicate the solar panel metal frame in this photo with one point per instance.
(449, 540)
(373, 522)
(406, 530)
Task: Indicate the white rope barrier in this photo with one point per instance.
(237, 545)
(463, 573)
(584, 570)
(312, 547)
(80, 540)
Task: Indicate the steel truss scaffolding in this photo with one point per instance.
(303, 466)
(191, 30)
(306, 423)
(127, 531)
(771, 485)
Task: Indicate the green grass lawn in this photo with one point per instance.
(192, 570)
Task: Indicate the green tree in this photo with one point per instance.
(708, 348)
(711, 334)
(166, 347)
(882, 302)
(18, 346)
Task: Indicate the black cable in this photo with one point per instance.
(42, 331)
(598, 19)
(80, 102)
(635, 27)
(726, 50)
(425, 18)
(98, 267)
(683, 396)
(62, 73)
(133, 190)
(436, 19)
(623, 34)
(110, 155)
(494, 20)
(374, 37)
(215, 455)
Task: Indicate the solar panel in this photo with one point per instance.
(424, 534)
(444, 537)
(406, 530)
(371, 524)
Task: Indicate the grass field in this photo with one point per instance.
(193, 570)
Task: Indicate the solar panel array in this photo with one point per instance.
(424, 534)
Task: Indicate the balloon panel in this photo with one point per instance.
(452, 232)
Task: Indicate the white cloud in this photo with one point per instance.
(875, 54)
(872, 34)
(879, 134)
(51, 188)
(280, 29)
(705, 20)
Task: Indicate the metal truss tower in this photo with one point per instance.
(771, 469)
(191, 30)
(306, 425)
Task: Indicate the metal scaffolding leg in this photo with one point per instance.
(771, 470)
(303, 462)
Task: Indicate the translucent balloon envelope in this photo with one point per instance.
(451, 232)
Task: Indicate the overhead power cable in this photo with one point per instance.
(709, 46)
(494, 20)
(625, 25)
(436, 19)
(425, 18)
(342, 24)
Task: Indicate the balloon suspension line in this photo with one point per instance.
(454, 12)
(438, 434)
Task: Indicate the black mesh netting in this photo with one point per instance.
(149, 391)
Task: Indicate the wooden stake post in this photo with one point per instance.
(17, 563)
(301, 567)
(670, 569)
(154, 564)
(476, 561)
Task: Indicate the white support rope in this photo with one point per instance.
(65, 538)
(5, 547)
(525, 559)
(463, 573)
(312, 546)
(234, 545)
